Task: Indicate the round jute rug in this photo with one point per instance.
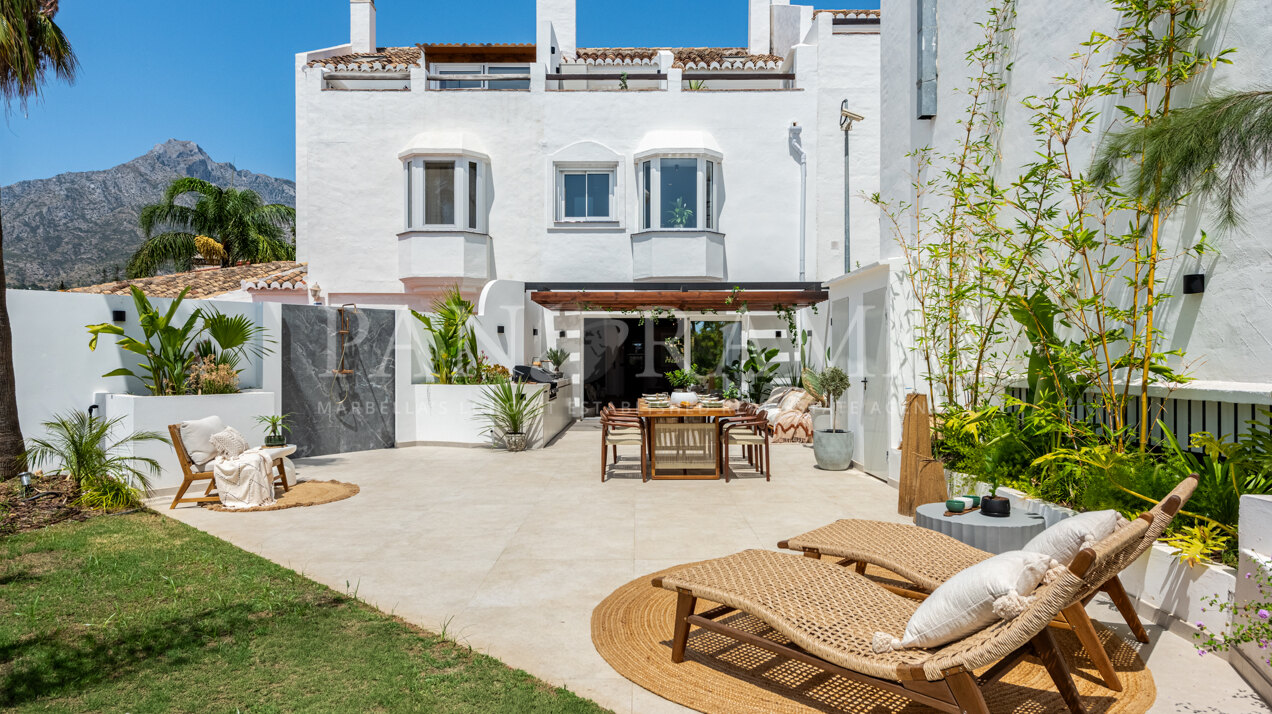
(303, 493)
(632, 630)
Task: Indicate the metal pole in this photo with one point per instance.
(847, 210)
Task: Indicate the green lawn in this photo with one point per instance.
(141, 613)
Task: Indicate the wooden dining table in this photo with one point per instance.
(684, 440)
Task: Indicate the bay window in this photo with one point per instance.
(679, 192)
(445, 192)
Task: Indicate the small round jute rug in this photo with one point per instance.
(632, 630)
(303, 493)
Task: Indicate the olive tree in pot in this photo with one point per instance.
(833, 447)
(510, 409)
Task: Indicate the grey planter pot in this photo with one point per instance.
(833, 450)
(515, 442)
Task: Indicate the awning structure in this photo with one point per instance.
(690, 298)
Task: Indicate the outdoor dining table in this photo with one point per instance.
(679, 447)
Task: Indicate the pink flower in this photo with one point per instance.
(1201, 653)
(1263, 614)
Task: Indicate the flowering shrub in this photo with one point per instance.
(1251, 621)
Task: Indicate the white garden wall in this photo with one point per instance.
(142, 413)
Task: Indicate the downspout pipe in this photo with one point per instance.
(797, 147)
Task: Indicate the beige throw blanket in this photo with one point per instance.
(243, 478)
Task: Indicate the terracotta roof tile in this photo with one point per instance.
(682, 57)
(292, 277)
(383, 58)
(861, 14)
(205, 283)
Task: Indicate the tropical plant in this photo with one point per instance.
(231, 338)
(834, 382)
(275, 424)
(696, 85)
(1212, 150)
(557, 357)
(811, 381)
(758, 371)
(683, 378)
(681, 213)
(170, 349)
(244, 228)
(86, 450)
(731, 392)
(508, 408)
(32, 47)
(453, 345)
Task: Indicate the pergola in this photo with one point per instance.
(689, 297)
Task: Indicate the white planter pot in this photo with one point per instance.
(146, 413)
(447, 414)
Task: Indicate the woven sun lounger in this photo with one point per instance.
(830, 614)
(927, 558)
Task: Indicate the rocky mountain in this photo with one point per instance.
(81, 227)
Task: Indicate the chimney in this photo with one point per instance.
(362, 26)
(788, 26)
(759, 25)
(556, 22)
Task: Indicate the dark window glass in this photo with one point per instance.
(439, 193)
(678, 181)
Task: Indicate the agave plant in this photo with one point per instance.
(85, 449)
(508, 408)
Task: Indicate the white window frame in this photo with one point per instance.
(563, 169)
(414, 193)
(655, 191)
(472, 68)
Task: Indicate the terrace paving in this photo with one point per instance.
(511, 552)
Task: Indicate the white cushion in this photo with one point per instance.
(196, 435)
(1063, 540)
(229, 443)
(972, 600)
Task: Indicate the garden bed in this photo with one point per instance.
(145, 614)
(18, 515)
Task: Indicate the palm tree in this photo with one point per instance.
(93, 453)
(1212, 150)
(243, 227)
(31, 46)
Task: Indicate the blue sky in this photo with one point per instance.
(221, 74)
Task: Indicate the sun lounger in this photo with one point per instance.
(927, 559)
(830, 616)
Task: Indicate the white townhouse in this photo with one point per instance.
(559, 184)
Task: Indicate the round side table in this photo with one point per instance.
(989, 533)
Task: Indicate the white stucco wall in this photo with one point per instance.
(350, 180)
(56, 372)
(1224, 332)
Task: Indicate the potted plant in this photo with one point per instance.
(510, 410)
(684, 382)
(833, 447)
(275, 425)
(557, 357)
(993, 504)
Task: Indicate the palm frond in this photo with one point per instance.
(1213, 150)
(31, 47)
(83, 447)
(175, 247)
(189, 184)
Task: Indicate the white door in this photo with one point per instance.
(873, 448)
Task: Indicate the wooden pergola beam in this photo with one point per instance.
(688, 300)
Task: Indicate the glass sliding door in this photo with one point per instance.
(714, 344)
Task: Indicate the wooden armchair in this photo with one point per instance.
(622, 429)
(188, 473)
(751, 432)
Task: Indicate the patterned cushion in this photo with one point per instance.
(793, 427)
